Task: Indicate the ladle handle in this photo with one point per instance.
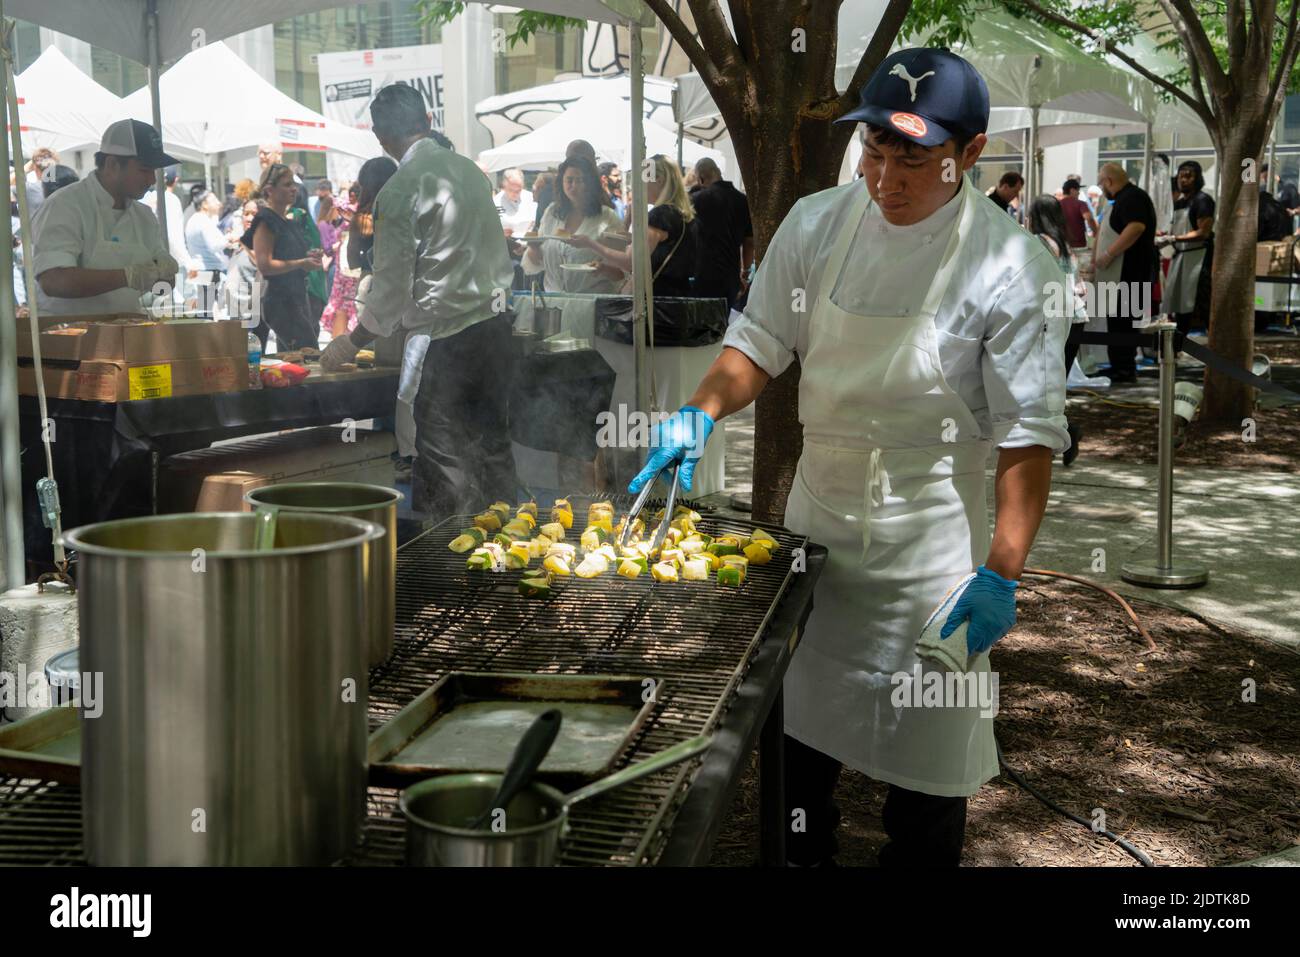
(529, 754)
(264, 534)
(664, 759)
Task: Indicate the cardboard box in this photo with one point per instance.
(1275, 258)
(215, 479)
(126, 339)
(116, 380)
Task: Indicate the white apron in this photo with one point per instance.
(903, 513)
(1184, 270)
(109, 249)
(1106, 238)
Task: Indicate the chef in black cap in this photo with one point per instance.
(1187, 285)
(930, 330)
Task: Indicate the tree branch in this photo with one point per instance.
(1236, 31)
(687, 40)
(1286, 62)
(742, 26)
(715, 37)
(886, 32)
(1201, 109)
(1198, 84)
(1195, 66)
(1199, 44)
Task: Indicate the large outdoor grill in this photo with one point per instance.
(696, 638)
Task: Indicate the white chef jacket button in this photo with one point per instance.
(928, 240)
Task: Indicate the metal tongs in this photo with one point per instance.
(662, 531)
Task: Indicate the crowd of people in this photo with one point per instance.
(1157, 249)
(571, 233)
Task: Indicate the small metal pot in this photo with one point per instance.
(438, 810)
(370, 503)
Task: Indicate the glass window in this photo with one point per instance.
(537, 60)
(367, 26)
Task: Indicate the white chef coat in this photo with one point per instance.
(518, 216)
(78, 226)
(441, 261)
(999, 351)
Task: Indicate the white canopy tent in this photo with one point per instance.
(508, 116)
(203, 119)
(119, 25)
(1027, 66)
(60, 107)
(156, 32)
(605, 121)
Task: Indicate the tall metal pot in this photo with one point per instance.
(232, 725)
(370, 503)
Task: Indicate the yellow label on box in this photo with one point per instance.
(150, 382)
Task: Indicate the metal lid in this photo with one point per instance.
(63, 670)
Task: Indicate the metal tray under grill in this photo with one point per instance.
(472, 723)
(45, 746)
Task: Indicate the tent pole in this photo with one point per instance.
(11, 478)
(1148, 159)
(1032, 169)
(155, 68)
(642, 305)
(1025, 163)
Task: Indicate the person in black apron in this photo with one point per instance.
(1187, 287)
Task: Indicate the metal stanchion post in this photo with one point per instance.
(1163, 573)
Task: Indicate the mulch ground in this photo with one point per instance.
(1116, 428)
(1162, 743)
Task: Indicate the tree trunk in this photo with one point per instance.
(778, 436)
(788, 147)
(1232, 297)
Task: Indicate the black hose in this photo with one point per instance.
(1084, 822)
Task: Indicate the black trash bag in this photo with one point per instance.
(1274, 220)
(678, 321)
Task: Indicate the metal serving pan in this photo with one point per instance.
(470, 723)
(44, 746)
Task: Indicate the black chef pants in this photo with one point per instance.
(925, 830)
(1123, 359)
(463, 460)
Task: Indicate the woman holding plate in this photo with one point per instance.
(580, 210)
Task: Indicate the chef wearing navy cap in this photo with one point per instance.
(920, 315)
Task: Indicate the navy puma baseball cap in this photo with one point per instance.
(927, 95)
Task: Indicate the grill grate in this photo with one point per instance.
(697, 637)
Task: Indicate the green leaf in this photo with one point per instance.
(524, 23)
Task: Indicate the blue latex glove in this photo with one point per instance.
(989, 601)
(679, 437)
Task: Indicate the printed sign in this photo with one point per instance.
(350, 80)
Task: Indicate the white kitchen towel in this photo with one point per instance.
(950, 652)
(408, 384)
